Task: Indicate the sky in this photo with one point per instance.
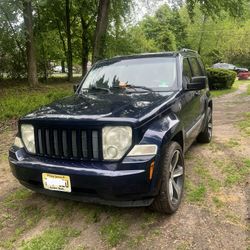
(147, 7)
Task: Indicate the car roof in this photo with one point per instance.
(183, 52)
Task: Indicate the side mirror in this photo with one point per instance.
(75, 87)
(197, 83)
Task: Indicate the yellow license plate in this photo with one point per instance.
(56, 182)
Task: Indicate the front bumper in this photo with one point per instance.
(120, 184)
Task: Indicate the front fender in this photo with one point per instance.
(162, 131)
(159, 133)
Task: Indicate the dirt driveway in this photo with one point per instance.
(214, 214)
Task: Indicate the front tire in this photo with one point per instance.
(172, 180)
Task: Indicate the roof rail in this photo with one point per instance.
(188, 50)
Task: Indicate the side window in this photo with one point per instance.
(195, 67)
(202, 66)
(187, 73)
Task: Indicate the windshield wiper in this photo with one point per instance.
(98, 88)
(139, 87)
(133, 87)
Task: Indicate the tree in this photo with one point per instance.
(69, 42)
(101, 28)
(12, 41)
(30, 44)
(215, 7)
(86, 12)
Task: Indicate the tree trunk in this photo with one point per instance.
(101, 29)
(63, 44)
(44, 55)
(63, 66)
(30, 46)
(68, 33)
(85, 47)
(202, 34)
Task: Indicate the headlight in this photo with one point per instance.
(18, 142)
(27, 132)
(116, 141)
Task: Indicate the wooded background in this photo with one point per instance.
(36, 35)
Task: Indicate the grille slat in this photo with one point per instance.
(47, 140)
(40, 142)
(74, 144)
(84, 144)
(65, 143)
(95, 144)
(56, 142)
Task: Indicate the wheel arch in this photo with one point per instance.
(164, 130)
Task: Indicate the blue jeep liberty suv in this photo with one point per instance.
(120, 138)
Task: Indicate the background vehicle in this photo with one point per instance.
(229, 67)
(121, 138)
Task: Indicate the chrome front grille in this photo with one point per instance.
(65, 143)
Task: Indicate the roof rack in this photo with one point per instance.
(188, 50)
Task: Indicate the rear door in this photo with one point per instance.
(199, 70)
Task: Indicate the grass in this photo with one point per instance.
(92, 213)
(149, 218)
(205, 176)
(245, 124)
(13, 199)
(114, 231)
(17, 101)
(195, 193)
(218, 93)
(248, 89)
(234, 174)
(232, 143)
(28, 216)
(51, 239)
(217, 202)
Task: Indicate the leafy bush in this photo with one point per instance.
(221, 78)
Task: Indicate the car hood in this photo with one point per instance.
(100, 106)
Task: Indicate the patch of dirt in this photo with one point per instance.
(7, 181)
(219, 221)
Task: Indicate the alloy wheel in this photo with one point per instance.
(176, 177)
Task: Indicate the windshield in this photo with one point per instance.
(156, 73)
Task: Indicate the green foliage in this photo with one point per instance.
(212, 30)
(221, 78)
(17, 101)
(51, 239)
(166, 28)
(245, 124)
(248, 89)
(114, 231)
(214, 7)
(195, 193)
(220, 92)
